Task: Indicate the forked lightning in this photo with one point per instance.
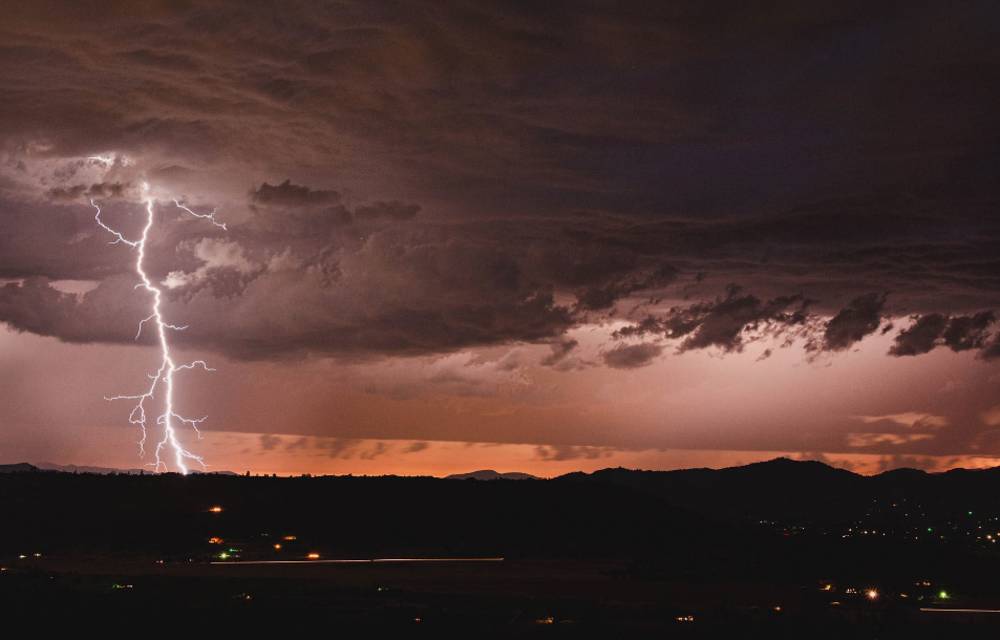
(164, 376)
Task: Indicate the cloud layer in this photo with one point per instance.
(416, 182)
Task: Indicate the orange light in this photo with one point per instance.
(216, 509)
(277, 547)
(313, 556)
(215, 540)
(289, 538)
(871, 594)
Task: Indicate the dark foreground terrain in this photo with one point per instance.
(779, 549)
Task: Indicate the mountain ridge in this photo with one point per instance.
(490, 474)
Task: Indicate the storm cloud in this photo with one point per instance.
(403, 182)
(959, 333)
(855, 321)
(632, 356)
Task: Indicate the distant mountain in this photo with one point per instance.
(73, 468)
(793, 489)
(490, 474)
(20, 467)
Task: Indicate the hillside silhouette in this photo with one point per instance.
(612, 550)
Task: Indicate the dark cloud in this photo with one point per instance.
(561, 153)
(558, 452)
(99, 190)
(724, 322)
(55, 240)
(649, 325)
(287, 194)
(959, 333)
(344, 448)
(855, 321)
(108, 313)
(370, 283)
(727, 322)
(391, 296)
(632, 356)
(921, 337)
(570, 105)
(968, 332)
(596, 297)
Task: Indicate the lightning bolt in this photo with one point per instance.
(164, 375)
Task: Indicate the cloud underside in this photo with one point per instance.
(480, 176)
(306, 273)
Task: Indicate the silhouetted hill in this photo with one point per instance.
(614, 545)
(73, 468)
(782, 521)
(802, 490)
(20, 467)
(490, 474)
(350, 516)
(782, 492)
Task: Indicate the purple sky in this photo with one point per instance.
(550, 237)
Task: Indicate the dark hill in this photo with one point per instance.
(490, 474)
(20, 467)
(802, 490)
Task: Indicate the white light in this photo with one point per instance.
(165, 373)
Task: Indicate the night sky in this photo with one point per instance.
(542, 236)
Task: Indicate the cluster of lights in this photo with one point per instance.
(872, 593)
(229, 553)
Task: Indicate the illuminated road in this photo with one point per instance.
(936, 610)
(358, 561)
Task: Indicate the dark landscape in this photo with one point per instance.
(779, 547)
